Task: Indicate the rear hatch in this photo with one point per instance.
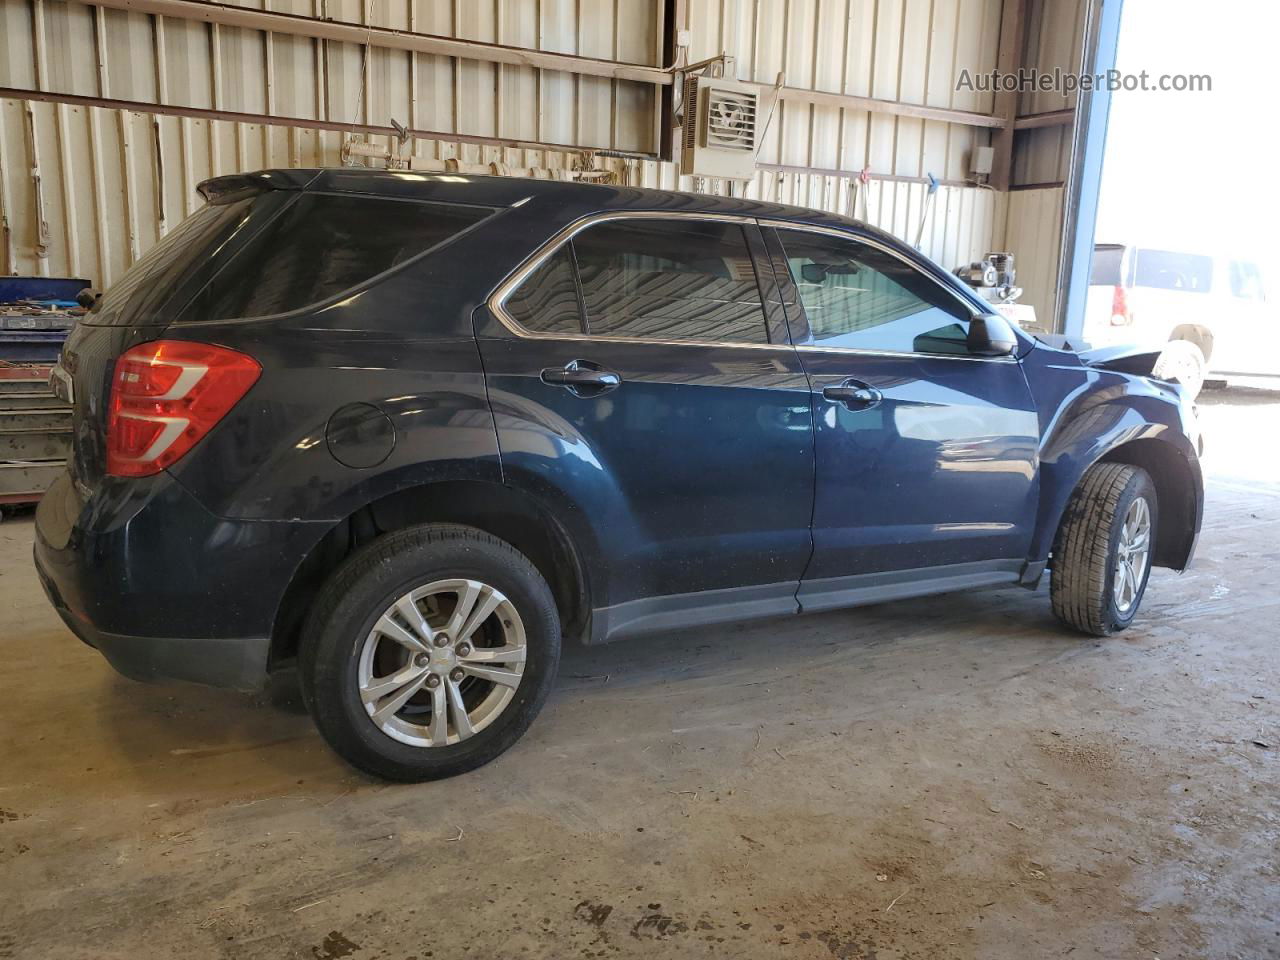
(150, 297)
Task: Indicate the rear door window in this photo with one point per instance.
(325, 245)
(547, 301)
(670, 280)
(647, 279)
(1166, 270)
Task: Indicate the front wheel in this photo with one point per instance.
(429, 652)
(1102, 554)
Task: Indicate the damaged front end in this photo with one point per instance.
(1123, 359)
(1178, 361)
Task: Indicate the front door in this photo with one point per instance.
(926, 454)
(635, 378)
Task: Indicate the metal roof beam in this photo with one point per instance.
(385, 38)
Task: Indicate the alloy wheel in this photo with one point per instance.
(442, 662)
(1133, 553)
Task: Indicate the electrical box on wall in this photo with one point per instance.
(983, 160)
(720, 128)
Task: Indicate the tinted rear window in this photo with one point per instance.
(1108, 262)
(322, 246)
(1165, 270)
(168, 268)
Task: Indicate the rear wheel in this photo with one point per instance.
(1102, 554)
(430, 652)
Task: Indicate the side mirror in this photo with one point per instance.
(991, 335)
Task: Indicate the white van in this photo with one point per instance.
(1217, 305)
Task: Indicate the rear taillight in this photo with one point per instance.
(1120, 308)
(165, 396)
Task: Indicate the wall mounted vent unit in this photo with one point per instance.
(721, 129)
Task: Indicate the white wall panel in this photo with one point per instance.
(1033, 233)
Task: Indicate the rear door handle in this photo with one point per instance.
(854, 394)
(582, 378)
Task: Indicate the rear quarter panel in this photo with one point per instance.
(403, 346)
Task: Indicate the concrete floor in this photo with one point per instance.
(955, 778)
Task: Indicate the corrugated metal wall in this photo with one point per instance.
(75, 48)
(1055, 39)
(106, 183)
(907, 50)
(1042, 157)
(1033, 231)
(111, 182)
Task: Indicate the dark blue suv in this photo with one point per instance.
(408, 431)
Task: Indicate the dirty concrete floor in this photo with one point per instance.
(953, 778)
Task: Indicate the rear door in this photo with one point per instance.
(636, 377)
(926, 454)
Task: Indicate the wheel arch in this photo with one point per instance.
(1177, 499)
(509, 514)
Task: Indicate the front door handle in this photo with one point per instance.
(582, 378)
(854, 394)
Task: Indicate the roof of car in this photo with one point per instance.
(507, 191)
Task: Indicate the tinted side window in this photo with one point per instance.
(324, 245)
(547, 300)
(670, 280)
(1164, 270)
(857, 296)
(1246, 281)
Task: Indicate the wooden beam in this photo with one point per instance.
(1054, 118)
(1013, 29)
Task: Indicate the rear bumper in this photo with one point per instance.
(160, 586)
(239, 663)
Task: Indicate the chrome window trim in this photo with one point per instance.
(497, 299)
(897, 255)
(815, 348)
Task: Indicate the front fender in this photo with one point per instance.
(1089, 415)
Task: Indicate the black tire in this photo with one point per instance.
(1084, 553)
(357, 594)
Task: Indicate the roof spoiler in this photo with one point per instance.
(238, 186)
